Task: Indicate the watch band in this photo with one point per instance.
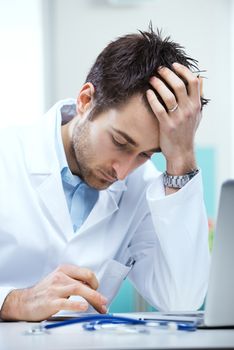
(178, 181)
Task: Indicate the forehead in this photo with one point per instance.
(135, 119)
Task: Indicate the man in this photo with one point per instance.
(82, 206)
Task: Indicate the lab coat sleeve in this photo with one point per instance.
(171, 244)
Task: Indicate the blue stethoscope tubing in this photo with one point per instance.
(95, 318)
(92, 321)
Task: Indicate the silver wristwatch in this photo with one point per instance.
(178, 181)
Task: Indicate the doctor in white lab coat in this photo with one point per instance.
(138, 227)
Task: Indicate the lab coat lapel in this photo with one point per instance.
(106, 205)
(52, 196)
(45, 174)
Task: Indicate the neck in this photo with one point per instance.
(66, 132)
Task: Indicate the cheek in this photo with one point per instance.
(101, 145)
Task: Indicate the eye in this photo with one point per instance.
(145, 155)
(118, 143)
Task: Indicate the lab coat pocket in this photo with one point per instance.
(113, 275)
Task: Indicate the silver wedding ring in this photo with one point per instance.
(173, 109)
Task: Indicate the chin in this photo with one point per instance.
(98, 184)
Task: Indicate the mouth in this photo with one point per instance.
(107, 177)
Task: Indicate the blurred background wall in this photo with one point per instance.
(48, 46)
(21, 61)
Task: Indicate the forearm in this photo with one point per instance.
(181, 225)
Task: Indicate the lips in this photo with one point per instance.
(107, 177)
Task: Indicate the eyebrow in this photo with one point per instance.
(134, 143)
(127, 137)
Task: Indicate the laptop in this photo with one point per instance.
(219, 306)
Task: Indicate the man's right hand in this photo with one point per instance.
(52, 294)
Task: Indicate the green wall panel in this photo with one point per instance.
(125, 300)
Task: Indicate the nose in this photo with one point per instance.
(123, 168)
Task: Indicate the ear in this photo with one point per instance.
(85, 98)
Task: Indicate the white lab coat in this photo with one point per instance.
(166, 235)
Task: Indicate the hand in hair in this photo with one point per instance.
(178, 113)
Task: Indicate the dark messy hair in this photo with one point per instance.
(124, 67)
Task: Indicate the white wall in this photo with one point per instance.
(21, 61)
(82, 28)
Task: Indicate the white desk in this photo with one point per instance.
(12, 337)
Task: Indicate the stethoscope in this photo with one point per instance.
(108, 321)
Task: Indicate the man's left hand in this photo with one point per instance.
(178, 122)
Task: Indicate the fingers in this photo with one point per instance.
(70, 305)
(79, 273)
(157, 107)
(166, 94)
(73, 305)
(193, 82)
(175, 83)
(94, 298)
(83, 282)
(174, 88)
(201, 85)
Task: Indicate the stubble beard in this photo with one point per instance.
(83, 154)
